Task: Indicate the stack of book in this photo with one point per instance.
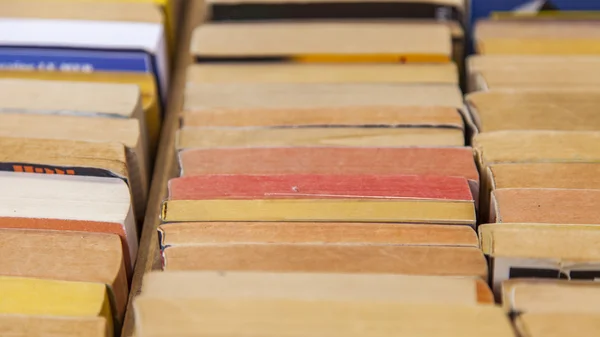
(82, 85)
(324, 174)
(534, 106)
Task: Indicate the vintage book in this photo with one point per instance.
(547, 296)
(304, 186)
(198, 233)
(414, 73)
(73, 256)
(537, 37)
(521, 109)
(319, 286)
(216, 138)
(333, 160)
(157, 317)
(558, 324)
(510, 63)
(317, 42)
(106, 45)
(520, 146)
(91, 204)
(334, 258)
(540, 251)
(545, 205)
(34, 326)
(52, 298)
(102, 130)
(415, 117)
(74, 98)
(544, 175)
(307, 95)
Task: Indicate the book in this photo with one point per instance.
(240, 187)
(307, 95)
(28, 325)
(560, 110)
(537, 37)
(548, 296)
(101, 130)
(544, 72)
(216, 138)
(52, 298)
(557, 324)
(67, 256)
(199, 233)
(269, 317)
(414, 73)
(333, 160)
(92, 204)
(317, 42)
(540, 251)
(319, 286)
(545, 205)
(544, 175)
(94, 46)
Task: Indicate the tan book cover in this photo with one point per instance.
(537, 37)
(161, 317)
(38, 326)
(558, 324)
(545, 205)
(412, 73)
(549, 296)
(338, 258)
(69, 256)
(101, 130)
(540, 250)
(310, 42)
(215, 138)
(318, 286)
(305, 95)
(512, 109)
(545, 175)
(198, 233)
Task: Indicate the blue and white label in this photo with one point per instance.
(73, 60)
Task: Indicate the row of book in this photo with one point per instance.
(533, 102)
(324, 174)
(82, 89)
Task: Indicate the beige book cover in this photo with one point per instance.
(549, 296)
(545, 175)
(100, 130)
(199, 233)
(558, 324)
(545, 205)
(74, 256)
(537, 37)
(37, 326)
(214, 138)
(540, 250)
(272, 317)
(310, 42)
(318, 286)
(512, 109)
(412, 73)
(303, 95)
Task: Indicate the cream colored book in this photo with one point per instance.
(273, 317)
(540, 250)
(550, 109)
(99, 130)
(558, 324)
(548, 296)
(317, 42)
(318, 286)
(38, 326)
(304, 95)
(91, 204)
(323, 73)
(545, 175)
